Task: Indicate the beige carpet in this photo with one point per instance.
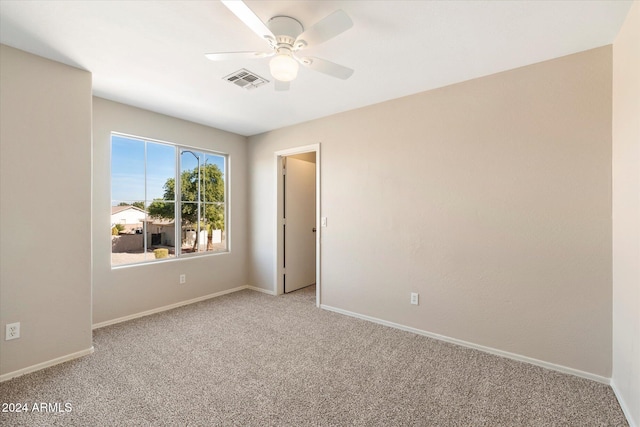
(249, 359)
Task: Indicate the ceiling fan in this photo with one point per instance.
(286, 36)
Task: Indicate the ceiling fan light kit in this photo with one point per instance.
(283, 67)
(286, 36)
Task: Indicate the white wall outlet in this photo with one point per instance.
(183, 279)
(13, 331)
(323, 221)
(414, 298)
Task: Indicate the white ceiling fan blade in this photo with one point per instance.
(224, 56)
(326, 67)
(325, 29)
(281, 86)
(250, 19)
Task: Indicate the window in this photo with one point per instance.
(167, 201)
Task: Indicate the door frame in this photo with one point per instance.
(278, 284)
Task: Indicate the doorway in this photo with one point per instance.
(298, 215)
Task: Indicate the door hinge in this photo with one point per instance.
(284, 221)
(284, 171)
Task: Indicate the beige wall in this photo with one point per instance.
(127, 291)
(626, 215)
(45, 206)
(491, 198)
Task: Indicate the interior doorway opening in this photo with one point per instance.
(298, 220)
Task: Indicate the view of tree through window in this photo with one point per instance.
(148, 199)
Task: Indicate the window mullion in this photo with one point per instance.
(145, 222)
(177, 214)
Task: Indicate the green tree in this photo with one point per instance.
(211, 199)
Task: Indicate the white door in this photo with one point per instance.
(300, 222)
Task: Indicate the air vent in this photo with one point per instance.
(246, 79)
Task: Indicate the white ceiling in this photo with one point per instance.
(150, 53)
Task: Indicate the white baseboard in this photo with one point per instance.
(462, 343)
(47, 364)
(623, 405)
(264, 291)
(166, 307)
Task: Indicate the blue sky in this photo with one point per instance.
(128, 167)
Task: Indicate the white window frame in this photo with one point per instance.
(179, 150)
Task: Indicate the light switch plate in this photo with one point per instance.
(414, 298)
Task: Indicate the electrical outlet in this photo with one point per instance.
(183, 279)
(12, 331)
(414, 298)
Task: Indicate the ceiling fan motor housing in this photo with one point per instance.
(286, 30)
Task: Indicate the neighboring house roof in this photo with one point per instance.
(161, 221)
(118, 209)
(152, 220)
(147, 218)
